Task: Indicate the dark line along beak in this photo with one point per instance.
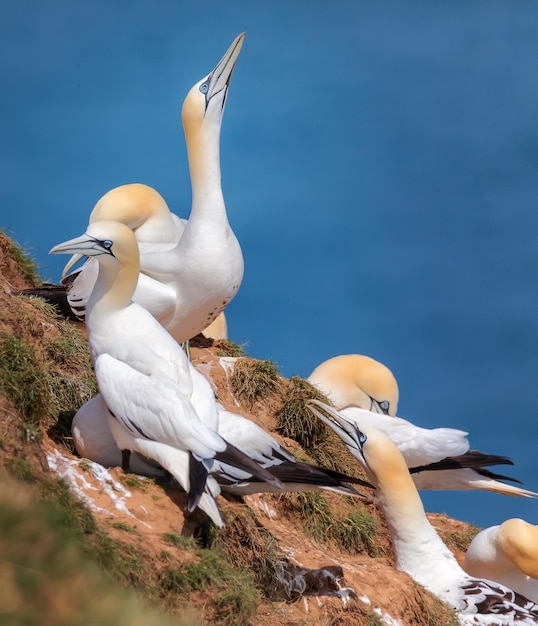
(85, 245)
(349, 433)
(219, 78)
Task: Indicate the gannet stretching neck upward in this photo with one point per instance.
(154, 396)
(440, 458)
(357, 380)
(507, 554)
(190, 270)
(419, 550)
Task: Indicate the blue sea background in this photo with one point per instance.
(380, 169)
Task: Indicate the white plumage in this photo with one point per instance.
(419, 550)
(93, 440)
(507, 554)
(190, 269)
(154, 395)
(366, 392)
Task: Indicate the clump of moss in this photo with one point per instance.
(254, 380)
(356, 532)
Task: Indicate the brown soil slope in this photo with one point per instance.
(315, 558)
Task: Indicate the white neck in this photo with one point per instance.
(115, 286)
(203, 149)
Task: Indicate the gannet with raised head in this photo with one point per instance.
(419, 550)
(507, 554)
(93, 440)
(153, 394)
(366, 392)
(190, 270)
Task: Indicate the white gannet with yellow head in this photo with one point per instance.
(357, 380)
(419, 550)
(206, 267)
(366, 392)
(507, 554)
(190, 270)
(158, 404)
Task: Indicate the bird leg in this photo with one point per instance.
(125, 457)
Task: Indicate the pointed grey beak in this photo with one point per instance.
(72, 261)
(219, 78)
(347, 431)
(85, 245)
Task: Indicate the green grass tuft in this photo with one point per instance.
(26, 265)
(254, 380)
(23, 378)
(358, 532)
(225, 347)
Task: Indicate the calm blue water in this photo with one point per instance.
(380, 167)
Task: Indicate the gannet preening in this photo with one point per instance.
(190, 270)
(159, 405)
(357, 380)
(419, 550)
(93, 440)
(438, 458)
(507, 554)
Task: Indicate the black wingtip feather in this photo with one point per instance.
(197, 482)
(233, 456)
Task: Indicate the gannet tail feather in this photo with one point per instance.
(305, 473)
(233, 456)
(197, 482)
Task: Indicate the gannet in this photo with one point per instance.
(419, 550)
(365, 391)
(93, 440)
(438, 458)
(357, 380)
(508, 554)
(190, 270)
(153, 394)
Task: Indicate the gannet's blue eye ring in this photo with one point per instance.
(107, 244)
(362, 439)
(204, 88)
(384, 405)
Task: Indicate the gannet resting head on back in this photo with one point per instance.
(420, 551)
(144, 377)
(508, 554)
(357, 380)
(438, 458)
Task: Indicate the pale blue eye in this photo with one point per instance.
(107, 244)
(204, 87)
(384, 405)
(362, 439)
